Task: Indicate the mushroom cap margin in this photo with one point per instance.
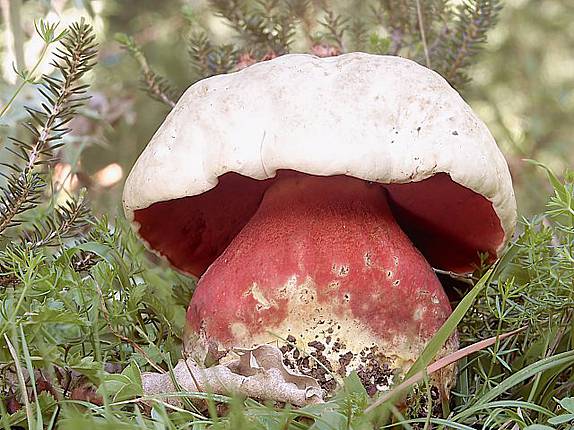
(300, 112)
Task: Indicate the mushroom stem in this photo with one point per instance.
(322, 263)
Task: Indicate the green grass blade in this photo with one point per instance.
(468, 412)
(449, 327)
(565, 358)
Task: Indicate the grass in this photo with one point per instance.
(83, 314)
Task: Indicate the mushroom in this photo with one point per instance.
(313, 197)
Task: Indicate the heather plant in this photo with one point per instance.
(435, 33)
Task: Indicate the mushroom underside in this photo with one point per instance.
(449, 223)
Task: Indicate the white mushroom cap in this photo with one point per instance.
(379, 118)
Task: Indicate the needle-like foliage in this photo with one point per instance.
(455, 46)
(46, 126)
(156, 86)
(437, 33)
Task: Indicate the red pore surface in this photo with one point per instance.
(336, 240)
(449, 223)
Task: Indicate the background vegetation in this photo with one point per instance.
(81, 301)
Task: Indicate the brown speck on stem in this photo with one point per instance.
(368, 259)
(341, 271)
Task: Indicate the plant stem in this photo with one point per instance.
(423, 35)
(29, 79)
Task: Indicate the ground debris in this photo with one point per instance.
(258, 372)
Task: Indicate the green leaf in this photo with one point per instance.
(101, 249)
(378, 44)
(568, 404)
(558, 186)
(125, 386)
(561, 419)
(55, 316)
(538, 427)
(563, 359)
(352, 385)
(329, 420)
(515, 404)
(123, 39)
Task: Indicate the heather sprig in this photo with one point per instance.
(63, 93)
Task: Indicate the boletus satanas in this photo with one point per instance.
(313, 198)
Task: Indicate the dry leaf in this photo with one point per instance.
(258, 373)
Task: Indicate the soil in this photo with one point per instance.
(372, 369)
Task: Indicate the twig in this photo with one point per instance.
(155, 84)
(423, 36)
